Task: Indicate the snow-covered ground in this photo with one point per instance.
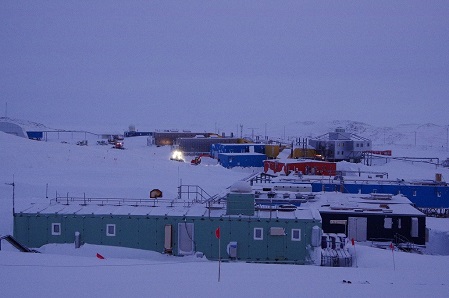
(41, 169)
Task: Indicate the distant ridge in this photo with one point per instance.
(410, 134)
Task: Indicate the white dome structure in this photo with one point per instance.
(12, 128)
(241, 187)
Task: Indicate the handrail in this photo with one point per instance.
(200, 195)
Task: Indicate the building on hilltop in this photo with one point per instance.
(341, 145)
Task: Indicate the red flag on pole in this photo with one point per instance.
(392, 253)
(217, 233)
(352, 241)
(100, 256)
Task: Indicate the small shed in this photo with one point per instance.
(35, 135)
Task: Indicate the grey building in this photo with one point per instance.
(341, 145)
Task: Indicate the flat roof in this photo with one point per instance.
(296, 161)
(243, 154)
(336, 202)
(160, 208)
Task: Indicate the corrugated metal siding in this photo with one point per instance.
(147, 232)
(241, 160)
(421, 195)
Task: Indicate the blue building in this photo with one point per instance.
(230, 160)
(236, 148)
(430, 195)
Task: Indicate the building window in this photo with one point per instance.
(296, 234)
(399, 224)
(56, 229)
(439, 194)
(388, 223)
(258, 233)
(110, 230)
(414, 193)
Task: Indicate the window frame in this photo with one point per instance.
(293, 234)
(255, 234)
(53, 232)
(107, 230)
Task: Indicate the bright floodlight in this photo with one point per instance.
(177, 155)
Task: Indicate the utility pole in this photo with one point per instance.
(266, 131)
(447, 138)
(252, 132)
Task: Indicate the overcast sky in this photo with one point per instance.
(209, 64)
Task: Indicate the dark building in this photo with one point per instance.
(163, 138)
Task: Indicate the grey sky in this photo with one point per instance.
(167, 64)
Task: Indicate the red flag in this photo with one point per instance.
(100, 256)
(352, 241)
(217, 233)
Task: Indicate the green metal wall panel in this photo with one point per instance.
(277, 245)
(70, 225)
(205, 240)
(240, 203)
(239, 232)
(129, 232)
(257, 249)
(21, 229)
(93, 231)
(147, 232)
(296, 250)
(38, 231)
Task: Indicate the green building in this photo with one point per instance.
(178, 227)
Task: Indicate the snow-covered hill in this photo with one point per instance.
(425, 136)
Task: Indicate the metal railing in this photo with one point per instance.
(192, 193)
(67, 200)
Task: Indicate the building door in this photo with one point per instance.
(185, 238)
(168, 239)
(357, 228)
(276, 243)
